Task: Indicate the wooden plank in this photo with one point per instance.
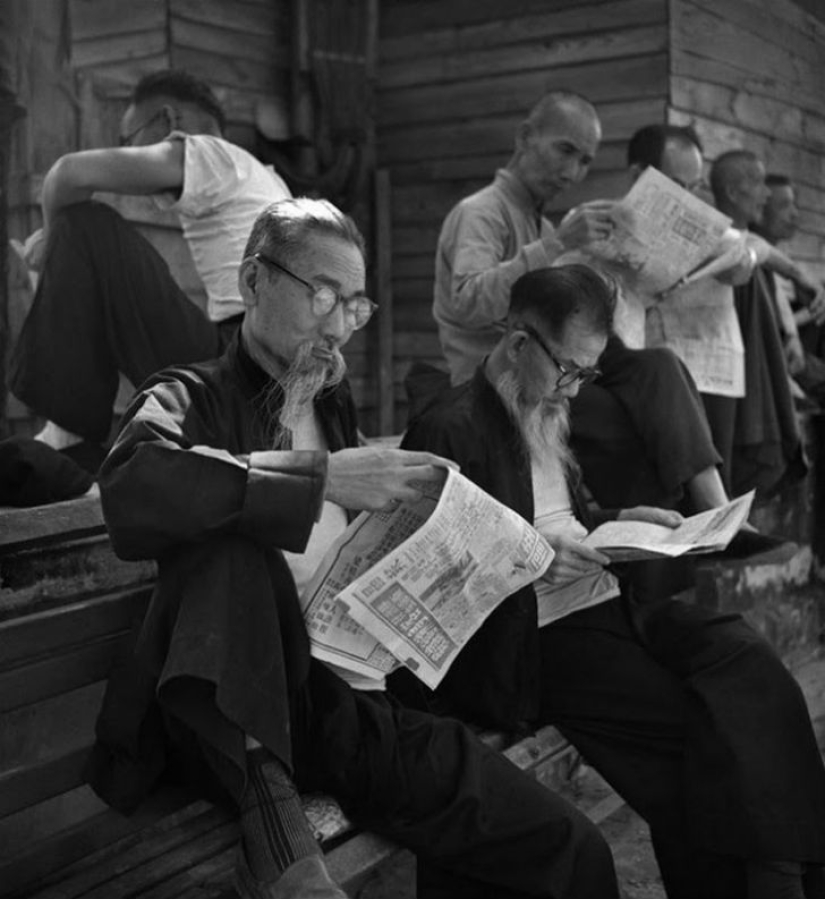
(782, 22)
(260, 46)
(718, 137)
(383, 232)
(120, 47)
(601, 82)
(44, 837)
(47, 632)
(208, 877)
(709, 35)
(67, 671)
(535, 54)
(770, 117)
(171, 833)
(91, 20)
(168, 869)
(526, 27)
(612, 155)
(401, 18)
(26, 786)
(266, 18)
(71, 519)
(491, 134)
(236, 72)
(35, 733)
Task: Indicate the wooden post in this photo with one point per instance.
(383, 283)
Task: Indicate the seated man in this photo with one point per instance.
(639, 430)
(106, 302)
(765, 438)
(236, 475)
(688, 714)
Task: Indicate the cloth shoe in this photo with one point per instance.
(307, 878)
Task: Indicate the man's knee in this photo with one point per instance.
(88, 214)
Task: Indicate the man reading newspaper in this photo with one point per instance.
(236, 475)
(688, 714)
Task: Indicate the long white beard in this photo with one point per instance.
(306, 377)
(544, 426)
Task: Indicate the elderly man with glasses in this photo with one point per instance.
(236, 475)
(690, 715)
(106, 302)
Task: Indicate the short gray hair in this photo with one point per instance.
(283, 227)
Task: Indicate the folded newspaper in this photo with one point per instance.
(412, 585)
(711, 531)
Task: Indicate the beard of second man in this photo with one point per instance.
(544, 425)
(287, 400)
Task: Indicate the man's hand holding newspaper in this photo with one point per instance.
(411, 584)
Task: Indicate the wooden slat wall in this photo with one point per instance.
(454, 79)
(751, 74)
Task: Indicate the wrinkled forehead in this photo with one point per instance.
(574, 125)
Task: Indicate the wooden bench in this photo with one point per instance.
(67, 605)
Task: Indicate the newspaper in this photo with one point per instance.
(586, 591)
(662, 233)
(699, 323)
(413, 585)
(711, 531)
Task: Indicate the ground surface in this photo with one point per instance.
(626, 833)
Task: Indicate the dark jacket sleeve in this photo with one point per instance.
(162, 485)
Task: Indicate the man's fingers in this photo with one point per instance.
(413, 457)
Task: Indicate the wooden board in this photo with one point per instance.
(602, 82)
(544, 23)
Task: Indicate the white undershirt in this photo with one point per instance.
(308, 435)
(554, 517)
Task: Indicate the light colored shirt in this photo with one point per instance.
(487, 242)
(224, 190)
(308, 435)
(554, 517)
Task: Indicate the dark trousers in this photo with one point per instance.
(766, 439)
(640, 432)
(223, 644)
(105, 303)
(479, 826)
(696, 722)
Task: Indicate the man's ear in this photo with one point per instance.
(523, 134)
(249, 275)
(516, 342)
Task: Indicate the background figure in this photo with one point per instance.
(801, 304)
(639, 430)
(766, 449)
(106, 301)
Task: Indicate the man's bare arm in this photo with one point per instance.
(122, 170)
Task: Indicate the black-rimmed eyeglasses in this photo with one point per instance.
(567, 375)
(324, 298)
